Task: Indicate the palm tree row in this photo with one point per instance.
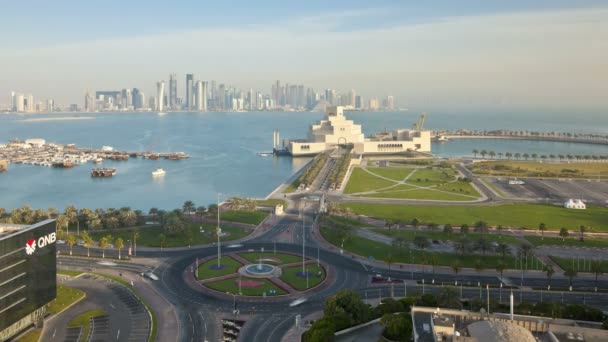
(535, 156)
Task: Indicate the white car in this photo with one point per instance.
(60, 242)
(297, 302)
(151, 276)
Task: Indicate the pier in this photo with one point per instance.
(523, 135)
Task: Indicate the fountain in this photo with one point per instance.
(259, 269)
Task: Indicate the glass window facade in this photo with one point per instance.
(27, 282)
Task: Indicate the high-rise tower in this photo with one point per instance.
(160, 95)
(172, 91)
(189, 85)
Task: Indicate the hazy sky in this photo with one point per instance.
(457, 55)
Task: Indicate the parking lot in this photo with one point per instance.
(554, 190)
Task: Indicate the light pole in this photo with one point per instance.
(218, 231)
(404, 289)
(303, 246)
(500, 300)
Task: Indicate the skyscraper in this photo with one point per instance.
(205, 92)
(30, 104)
(390, 102)
(89, 102)
(137, 99)
(189, 85)
(198, 96)
(172, 91)
(13, 102)
(160, 95)
(19, 103)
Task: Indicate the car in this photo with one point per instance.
(80, 243)
(151, 275)
(436, 242)
(60, 242)
(106, 263)
(110, 245)
(297, 302)
(235, 245)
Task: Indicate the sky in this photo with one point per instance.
(486, 55)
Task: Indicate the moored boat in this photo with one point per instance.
(103, 172)
(158, 172)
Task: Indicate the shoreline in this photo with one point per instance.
(65, 118)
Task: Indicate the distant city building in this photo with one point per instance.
(173, 91)
(373, 104)
(89, 102)
(160, 94)
(389, 103)
(358, 102)
(201, 96)
(30, 107)
(153, 102)
(189, 87)
(19, 103)
(138, 99)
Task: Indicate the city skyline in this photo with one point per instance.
(442, 57)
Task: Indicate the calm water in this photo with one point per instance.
(223, 150)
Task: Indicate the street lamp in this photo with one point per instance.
(218, 231)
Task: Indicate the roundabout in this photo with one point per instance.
(258, 274)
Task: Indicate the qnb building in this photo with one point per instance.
(27, 275)
(336, 130)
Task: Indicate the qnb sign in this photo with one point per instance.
(41, 242)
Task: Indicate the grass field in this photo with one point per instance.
(571, 241)
(244, 216)
(84, 320)
(538, 169)
(394, 173)
(507, 215)
(361, 181)
(230, 266)
(270, 202)
(231, 285)
(422, 194)
(70, 273)
(347, 221)
(578, 264)
(285, 258)
(290, 276)
(31, 336)
(150, 236)
(409, 235)
(380, 251)
(65, 297)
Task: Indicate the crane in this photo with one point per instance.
(420, 124)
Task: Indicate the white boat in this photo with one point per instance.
(158, 172)
(98, 160)
(107, 148)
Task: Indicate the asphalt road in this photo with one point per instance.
(199, 313)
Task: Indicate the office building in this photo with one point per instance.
(173, 91)
(27, 275)
(189, 94)
(160, 95)
(358, 102)
(138, 99)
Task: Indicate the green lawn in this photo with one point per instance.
(31, 336)
(84, 320)
(422, 194)
(244, 216)
(459, 187)
(347, 221)
(231, 285)
(580, 265)
(398, 188)
(409, 235)
(537, 169)
(507, 215)
(285, 258)
(428, 177)
(572, 241)
(270, 202)
(150, 236)
(230, 266)
(290, 276)
(394, 173)
(360, 181)
(65, 297)
(380, 251)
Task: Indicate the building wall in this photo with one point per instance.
(28, 281)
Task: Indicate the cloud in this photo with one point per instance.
(533, 58)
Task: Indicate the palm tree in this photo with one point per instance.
(88, 241)
(571, 274)
(483, 153)
(433, 261)
(478, 265)
(483, 245)
(582, 229)
(534, 156)
(492, 154)
(509, 155)
(517, 155)
(542, 229)
(456, 267)
(188, 207)
(71, 241)
(597, 270)
(549, 271)
(500, 154)
(475, 151)
(526, 156)
(120, 244)
(153, 212)
(103, 243)
(500, 268)
(563, 232)
(60, 222)
(503, 249)
(162, 238)
(448, 298)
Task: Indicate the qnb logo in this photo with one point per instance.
(43, 241)
(30, 247)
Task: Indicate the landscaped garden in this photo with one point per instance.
(507, 215)
(66, 296)
(426, 183)
(249, 287)
(271, 258)
(209, 269)
(297, 279)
